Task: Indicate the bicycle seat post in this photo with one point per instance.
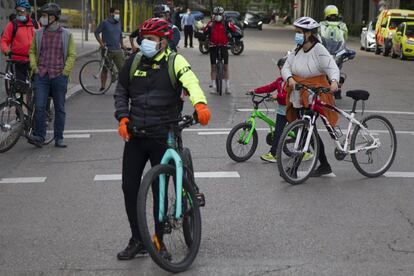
(354, 106)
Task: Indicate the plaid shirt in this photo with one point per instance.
(51, 54)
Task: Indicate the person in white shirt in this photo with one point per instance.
(310, 61)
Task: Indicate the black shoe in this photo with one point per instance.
(102, 89)
(164, 253)
(337, 95)
(321, 170)
(60, 144)
(133, 249)
(37, 141)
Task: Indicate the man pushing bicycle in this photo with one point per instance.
(149, 92)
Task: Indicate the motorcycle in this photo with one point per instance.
(236, 44)
(340, 54)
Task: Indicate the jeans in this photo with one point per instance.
(56, 88)
(280, 125)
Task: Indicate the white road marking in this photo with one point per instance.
(214, 133)
(90, 131)
(301, 173)
(220, 174)
(365, 111)
(77, 136)
(22, 180)
(399, 174)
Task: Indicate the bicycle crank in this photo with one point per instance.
(339, 155)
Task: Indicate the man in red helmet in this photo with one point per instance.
(145, 95)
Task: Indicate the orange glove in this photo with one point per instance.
(122, 129)
(203, 113)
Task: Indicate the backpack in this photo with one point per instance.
(171, 70)
(15, 26)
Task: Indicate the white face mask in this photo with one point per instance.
(116, 17)
(218, 18)
(44, 21)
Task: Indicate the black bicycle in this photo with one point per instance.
(220, 69)
(169, 203)
(18, 110)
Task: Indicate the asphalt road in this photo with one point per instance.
(65, 222)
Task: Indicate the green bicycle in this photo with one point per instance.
(242, 141)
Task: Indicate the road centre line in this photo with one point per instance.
(365, 111)
(23, 180)
(218, 174)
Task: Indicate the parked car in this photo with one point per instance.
(198, 15)
(403, 41)
(233, 17)
(388, 21)
(252, 20)
(368, 37)
(265, 17)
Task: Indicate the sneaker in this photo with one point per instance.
(321, 170)
(268, 157)
(133, 249)
(37, 141)
(307, 156)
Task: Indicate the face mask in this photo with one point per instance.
(149, 48)
(44, 21)
(116, 17)
(22, 18)
(299, 38)
(218, 18)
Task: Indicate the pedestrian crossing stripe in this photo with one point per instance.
(218, 174)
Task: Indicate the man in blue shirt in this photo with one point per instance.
(188, 22)
(112, 40)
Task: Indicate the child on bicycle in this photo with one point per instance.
(278, 85)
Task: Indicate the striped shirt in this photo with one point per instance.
(51, 54)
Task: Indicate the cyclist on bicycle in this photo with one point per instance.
(17, 38)
(311, 64)
(148, 97)
(112, 40)
(218, 31)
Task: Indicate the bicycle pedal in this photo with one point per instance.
(200, 199)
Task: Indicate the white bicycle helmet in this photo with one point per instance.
(306, 23)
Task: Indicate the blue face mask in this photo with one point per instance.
(22, 18)
(149, 48)
(116, 17)
(299, 38)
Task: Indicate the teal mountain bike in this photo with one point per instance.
(242, 141)
(169, 203)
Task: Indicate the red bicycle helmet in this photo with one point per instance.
(156, 26)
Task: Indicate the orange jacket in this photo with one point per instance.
(318, 81)
(20, 44)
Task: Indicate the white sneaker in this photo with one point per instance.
(227, 90)
(213, 88)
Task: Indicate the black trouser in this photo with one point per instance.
(22, 71)
(188, 32)
(280, 125)
(322, 156)
(137, 152)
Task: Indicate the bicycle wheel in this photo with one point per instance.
(90, 77)
(292, 166)
(374, 162)
(11, 125)
(169, 234)
(238, 147)
(219, 78)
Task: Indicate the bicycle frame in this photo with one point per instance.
(317, 109)
(252, 120)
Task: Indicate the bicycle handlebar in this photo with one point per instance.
(184, 121)
(314, 90)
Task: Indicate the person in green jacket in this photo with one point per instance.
(52, 55)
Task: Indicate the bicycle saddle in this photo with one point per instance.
(358, 95)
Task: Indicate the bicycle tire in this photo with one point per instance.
(254, 142)
(237, 48)
(189, 171)
(292, 174)
(11, 114)
(188, 195)
(393, 137)
(203, 47)
(87, 83)
(219, 78)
